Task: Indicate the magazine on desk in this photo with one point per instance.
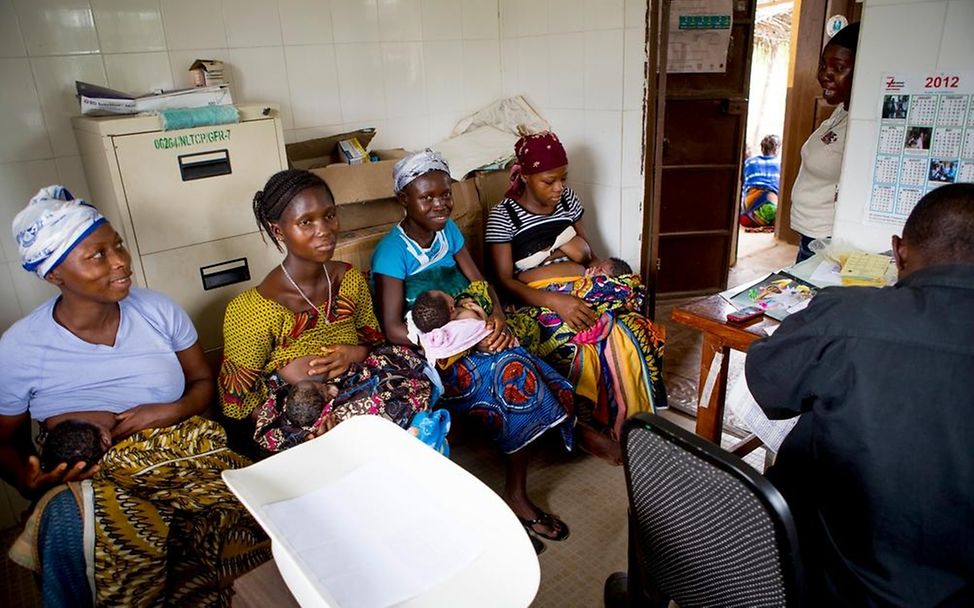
(779, 294)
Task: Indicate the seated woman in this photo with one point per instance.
(160, 527)
(310, 318)
(515, 396)
(759, 202)
(618, 368)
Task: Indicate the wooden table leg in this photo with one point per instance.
(710, 415)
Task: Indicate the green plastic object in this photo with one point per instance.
(186, 118)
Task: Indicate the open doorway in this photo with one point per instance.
(757, 251)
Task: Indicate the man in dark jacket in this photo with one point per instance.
(879, 470)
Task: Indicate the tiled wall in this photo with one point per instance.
(907, 36)
(410, 68)
(581, 63)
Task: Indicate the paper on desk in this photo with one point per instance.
(369, 551)
(826, 273)
(742, 403)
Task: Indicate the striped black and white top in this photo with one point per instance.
(529, 233)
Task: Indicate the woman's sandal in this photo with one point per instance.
(539, 546)
(549, 521)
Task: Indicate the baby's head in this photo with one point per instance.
(612, 267)
(305, 401)
(73, 441)
(433, 309)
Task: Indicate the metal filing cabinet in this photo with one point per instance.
(182, 201)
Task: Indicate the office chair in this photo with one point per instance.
(705, 529)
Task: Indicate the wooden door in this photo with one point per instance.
(805, 108)
(700, 148)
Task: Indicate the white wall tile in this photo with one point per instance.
(632, 148)
(362, 92)
(11, 42)
(603, 141)
(634, 68)
(306, 21)
(379, 141)
(404, 78)
(313, 79)
(127, 26)
(532, 17)
(603, 70)
(566, 16)
(355, 20)
(138, 72)
(55, 78)
(194, 24)
(534, 68)
(400, 20)
(71, 174)
(31, 290)
(631, 226)
(251, 23)
(481, 73)
(259, 75)
(570, 127)
(57, 27)
(443, 64)
(442, 123)
(508, 18)
(480, 19)
(18, 183)
(294, 135)
(9, 306)
(442, 20)
(412, 133)
(957, 47)
(510, 83)
(565, 60)
(602, 217)
(179, 62)
(604, 14)
(21, 121)
(636, 14)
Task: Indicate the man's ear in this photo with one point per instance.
(901, 253)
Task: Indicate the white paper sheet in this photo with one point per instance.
(699, 36)
(742, 403)
(369, 551)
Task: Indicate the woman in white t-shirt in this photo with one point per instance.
(813, 195)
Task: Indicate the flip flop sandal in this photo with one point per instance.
(549, 521)
(539, 547)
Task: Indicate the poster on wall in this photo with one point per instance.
(926, 140)
(699, 35)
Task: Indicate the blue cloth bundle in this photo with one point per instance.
(186, 118)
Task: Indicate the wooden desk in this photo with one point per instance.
(709, 315)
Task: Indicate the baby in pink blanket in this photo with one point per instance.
(449, 326)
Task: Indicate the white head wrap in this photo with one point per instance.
(415, 165)
(50, 226)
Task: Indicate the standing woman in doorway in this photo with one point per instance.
(813, 195)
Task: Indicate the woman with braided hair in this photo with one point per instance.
(310, 318)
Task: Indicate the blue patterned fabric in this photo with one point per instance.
(63, 579)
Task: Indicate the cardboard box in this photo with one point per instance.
(314, 153)
(207, 72)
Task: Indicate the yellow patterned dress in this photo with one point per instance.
(261, 336)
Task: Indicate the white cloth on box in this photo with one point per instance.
(813, 195)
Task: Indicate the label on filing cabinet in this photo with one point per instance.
(168, 211)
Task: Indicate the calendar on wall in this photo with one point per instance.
(926, 140)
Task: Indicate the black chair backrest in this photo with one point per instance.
(711, 531)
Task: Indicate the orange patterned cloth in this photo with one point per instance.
(261, 336)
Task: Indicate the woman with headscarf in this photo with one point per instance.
(817, 184)
(310, 318)
(160, 527)
(617, 368)
(510, 394)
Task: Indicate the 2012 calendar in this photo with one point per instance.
(926, 140)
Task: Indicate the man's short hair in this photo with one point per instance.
(941, 226)
(770, 145)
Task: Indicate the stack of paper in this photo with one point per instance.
(102, 101)
(863, 268)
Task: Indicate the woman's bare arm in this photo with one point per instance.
(390, 295)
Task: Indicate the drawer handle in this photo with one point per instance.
(204, 164)
(224, 273)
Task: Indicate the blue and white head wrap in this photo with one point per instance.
(50, 226)
(415, 165)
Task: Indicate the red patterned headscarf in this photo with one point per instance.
(535, 154)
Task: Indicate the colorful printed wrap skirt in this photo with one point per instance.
(390, 382)
(759, 207)
(166, 529)
(619, 368)
(512, 395)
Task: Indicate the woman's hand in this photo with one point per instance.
(145, 416)
(572, 310)
(35, 481)
(500, 337)
(336, 359)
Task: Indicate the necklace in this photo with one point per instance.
(314, 308)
